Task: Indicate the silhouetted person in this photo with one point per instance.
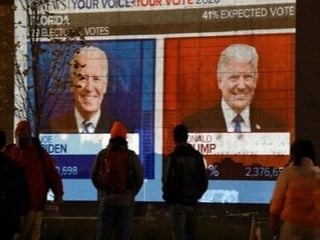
(293, 205)
(184, 182)
(118, 176)
(13, 194)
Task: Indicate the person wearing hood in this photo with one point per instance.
(117, 174)
(41, 176)
(293, 210)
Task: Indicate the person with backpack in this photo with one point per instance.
(118, 176)
(184, 181)
(41, 175)
(13, 194)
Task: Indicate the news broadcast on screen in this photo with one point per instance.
(166, 62)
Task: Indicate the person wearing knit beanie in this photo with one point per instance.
(41, 174)
(117, 174)
(23, 125)
(23, 133)
(118, 130)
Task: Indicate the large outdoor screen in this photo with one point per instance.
(164, 68)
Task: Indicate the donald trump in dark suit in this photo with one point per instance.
(237, 75)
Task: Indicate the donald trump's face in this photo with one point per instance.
(237, 83)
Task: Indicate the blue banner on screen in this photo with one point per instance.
(128, 97)
(74, 153)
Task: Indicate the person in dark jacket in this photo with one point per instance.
(117, 199)
(13, 194)
(184, 182)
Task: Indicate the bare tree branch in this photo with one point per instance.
(39, 90)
